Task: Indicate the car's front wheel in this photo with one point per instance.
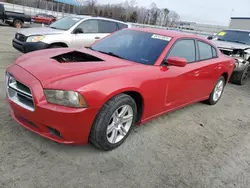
(240, 78)
(217, 92)
(114, 122)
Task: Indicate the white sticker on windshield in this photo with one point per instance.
(161, 37)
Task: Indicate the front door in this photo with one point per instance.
(89, 36)
(184, 84)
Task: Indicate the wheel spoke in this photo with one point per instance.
(114, 135)
(127, 118)
(123, 111)
(111, 128)
(116, 114)
(122, 131)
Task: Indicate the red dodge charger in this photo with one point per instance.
(76, 96)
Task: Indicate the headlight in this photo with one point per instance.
(65, 98)
(35, 38)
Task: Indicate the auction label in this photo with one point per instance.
(161, 37)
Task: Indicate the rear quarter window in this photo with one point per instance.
(205, 50)
(214, 52)
(122, 26)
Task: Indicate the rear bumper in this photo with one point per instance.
(26, 47)
(58, 123)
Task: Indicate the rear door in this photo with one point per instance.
(90, 34)
(210, 66)
(106, 27)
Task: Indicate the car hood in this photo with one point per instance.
(229, 45)
(39, 31)
(49, 70)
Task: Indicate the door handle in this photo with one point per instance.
(97, 38)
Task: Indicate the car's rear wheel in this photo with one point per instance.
(240, 78)
(217, 92)
(18, 24)
(114, 122)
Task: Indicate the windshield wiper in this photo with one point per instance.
(112, 54)
(53, 28)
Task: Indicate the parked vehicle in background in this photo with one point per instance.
(235, 43)
(72, 31)
(15, 19)
(98, 94)
(44, 18)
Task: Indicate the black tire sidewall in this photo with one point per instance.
(18, 21)
(99, 128)
(243, 72)
(211, 100)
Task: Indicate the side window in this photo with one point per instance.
(205, 50)
(89, 26)
(107, 26)
(122, 26)
(214, 52)
(184, 48)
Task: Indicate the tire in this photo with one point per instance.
(18, 23)
(212, 100)
(240, 78)
(105, 120)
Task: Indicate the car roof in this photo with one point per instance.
(169, 33)
(97, 17)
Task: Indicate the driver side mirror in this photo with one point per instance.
(210, 37)
(78, 30)
(176, 61)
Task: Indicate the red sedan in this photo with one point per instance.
(98, 94)
(43, 18)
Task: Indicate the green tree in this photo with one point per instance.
(123, 17)
(155, 16)
(101, 13)
(106, 14)
(133, 17)
(110, 15)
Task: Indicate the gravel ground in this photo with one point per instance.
(195, 147)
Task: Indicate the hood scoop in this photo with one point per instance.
(75, 57)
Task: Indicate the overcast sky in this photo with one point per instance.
(202, 11)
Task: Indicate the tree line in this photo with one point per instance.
(127, 11)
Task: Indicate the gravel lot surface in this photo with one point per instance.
(195, 147)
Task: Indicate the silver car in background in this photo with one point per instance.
(72, 31)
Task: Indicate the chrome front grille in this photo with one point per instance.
(19, 93)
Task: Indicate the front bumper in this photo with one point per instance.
(58, 123)
(240, 64)
(26, 47)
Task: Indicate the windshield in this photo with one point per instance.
(138, 46)
(65, 23)
(234, 36)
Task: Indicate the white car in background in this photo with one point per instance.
(72, 31)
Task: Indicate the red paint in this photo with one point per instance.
(163, 88)
(43, 19)
(177, 61)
